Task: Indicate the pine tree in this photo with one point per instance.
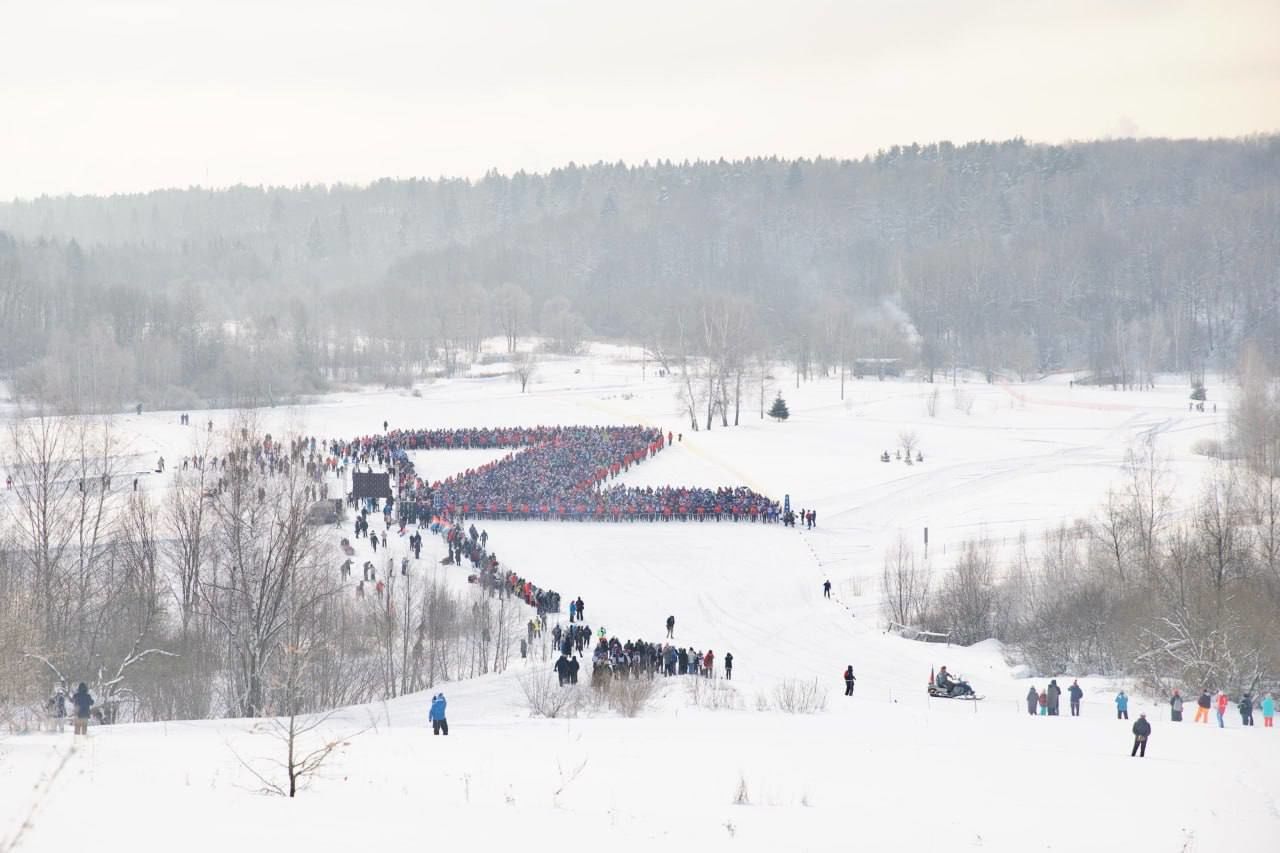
(778, 411)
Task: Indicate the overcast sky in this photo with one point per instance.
(101, 96)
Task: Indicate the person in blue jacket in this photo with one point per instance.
(1122, 706)
(439, 725)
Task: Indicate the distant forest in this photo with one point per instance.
(1122, 258)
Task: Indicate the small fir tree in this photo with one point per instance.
(778, 411)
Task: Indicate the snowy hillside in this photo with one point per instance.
(887, 768)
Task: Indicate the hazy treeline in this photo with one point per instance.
(1124, 257)
(1177, 597)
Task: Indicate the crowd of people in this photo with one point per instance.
(1046, 703)
(552, 473)
(471, 545)
(635, 658)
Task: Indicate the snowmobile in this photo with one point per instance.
(959, 690)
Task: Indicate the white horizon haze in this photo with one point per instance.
(106, 97)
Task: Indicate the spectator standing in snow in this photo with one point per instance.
(439, 725)
(1221, 702)
(1141, 731)
(849, 678)
(826, 589)
(1122, 706)
(83, 702)
(1175, 706)
(1033, 699)
(1043, 699)
(1055, 692)
(1202, 707)
(562, 670)
(1246, 710)
(728, 666)
(1268, 711)
(671, 627)
(1076, 694)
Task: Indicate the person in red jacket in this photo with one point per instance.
(1221, 701)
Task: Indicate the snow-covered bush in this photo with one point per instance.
(795, 696)
(631, 697)
(545, 697)
(714, 695)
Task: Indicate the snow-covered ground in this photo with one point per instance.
(885, 769)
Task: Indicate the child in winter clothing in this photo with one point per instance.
(1268, 711)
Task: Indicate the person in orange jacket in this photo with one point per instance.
(1221, 701)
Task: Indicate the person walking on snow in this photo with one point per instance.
(1033, 699)
(1122, 706)
(83, 702)
(1268, 711)
(1076, 694)
(439, 725)
(1202, 707)
(671, 627)
(826, 589)
(1141, 731)
(849, 678)
(1221, 702)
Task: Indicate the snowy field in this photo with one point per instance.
(885, 769)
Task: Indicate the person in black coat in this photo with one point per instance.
(1246, 710)
(1076, 694)
(728, 668)
(1033, 701)
(849, 679)
(1141, 731)
(1054, 692)
(83, 702)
